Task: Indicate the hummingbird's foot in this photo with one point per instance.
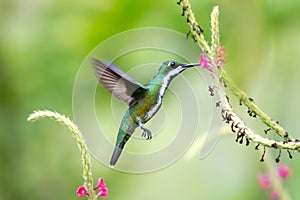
(146, 132)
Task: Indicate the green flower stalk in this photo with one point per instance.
(86, 158)
(195, 29)
(212, 59)
(215, 39)
(244, 99)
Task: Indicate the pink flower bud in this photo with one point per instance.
(222, 51)
(264, 181)
(220, 62)
(284, 171)
(274, 194)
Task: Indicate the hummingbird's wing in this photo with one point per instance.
(116, 81)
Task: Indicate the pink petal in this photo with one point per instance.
(284, 171)
(100, 184)
(222, 51)
(220, 62)
(103, 193)
(264, 181)
(82, 191)
(205, 62)
(274, 194)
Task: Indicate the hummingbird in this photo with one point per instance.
(143, 100)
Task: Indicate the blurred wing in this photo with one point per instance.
(116, 81)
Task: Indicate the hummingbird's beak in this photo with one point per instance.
(190, 65)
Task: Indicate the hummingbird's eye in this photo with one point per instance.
(172, 64)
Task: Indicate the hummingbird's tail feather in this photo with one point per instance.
(116, 154)
(121, 141)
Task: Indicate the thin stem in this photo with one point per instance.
(221, 78)
(252, 106)
(277, 182)
(194, 27)
(237, 124)
(86, 161)
(215, 38)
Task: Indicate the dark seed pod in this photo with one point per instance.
(241, 140)
(200, 30)
(257, 147)
(188, 18)
(278, 157)
(232, 127)
(247, 141)
(187, 35)
(179, 2)
(274, 145)
(267, 130)
(263, 155)
(290, 155)
(183, 10)
(237, 125)
(211, 90)
(194, 38)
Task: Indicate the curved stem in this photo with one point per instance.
(194, 27)
(221, 78)
(86, 161)
(253, 107)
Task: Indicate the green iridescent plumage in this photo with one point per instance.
(143, 100)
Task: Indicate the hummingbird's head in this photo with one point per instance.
(173, 68)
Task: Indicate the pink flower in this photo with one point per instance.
(82, 191)
(221, 56)
(100, 184)
(264, 181)
(274, 194)
(284, 171)
(222, 51)
(103, 191)
(220, 62)
(205, 62)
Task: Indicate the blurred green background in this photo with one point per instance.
(42, 45)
